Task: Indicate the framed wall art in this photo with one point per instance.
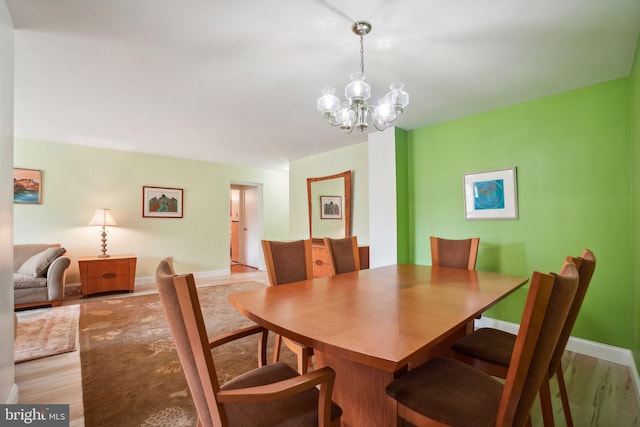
(491, 194)
(162, 202)
(330, 207)
(27, 186)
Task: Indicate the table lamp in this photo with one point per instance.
(103, 218)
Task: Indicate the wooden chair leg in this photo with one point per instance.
(276, 348)
(545, 403)
(564, 397)
(303, 361)
(262, 348)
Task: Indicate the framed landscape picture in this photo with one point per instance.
(490, 194)
(161, 202)
(27, 186)
(330, 207)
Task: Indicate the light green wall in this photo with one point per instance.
(635, 133)
(323, 227)
(77, 180)
(353, 158)
(573, 157)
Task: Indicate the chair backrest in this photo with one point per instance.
(181, 319)
(288, 261)
(343, 253)
(586, 264)
(454, 253)
(547, 306)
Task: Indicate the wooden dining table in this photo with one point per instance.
(372, 325)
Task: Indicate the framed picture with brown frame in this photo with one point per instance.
(27, 186)
(162, 202)
(330, 207)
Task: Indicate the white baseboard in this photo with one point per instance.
(621, 356)
(197, 275)
(215, 273)
(13, 395)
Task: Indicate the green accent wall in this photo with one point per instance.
(573, 155)
(402, 195)
(635, 135)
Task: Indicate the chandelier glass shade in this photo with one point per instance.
(355, 111)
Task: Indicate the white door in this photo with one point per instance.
(251, 235)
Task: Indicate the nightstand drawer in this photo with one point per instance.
(116, 267)
(107, 283)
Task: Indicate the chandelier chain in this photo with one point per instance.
(362, 54)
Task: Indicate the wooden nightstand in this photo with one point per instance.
(115, 273)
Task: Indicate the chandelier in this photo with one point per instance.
(355, 111)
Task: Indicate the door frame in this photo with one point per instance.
(242, 225)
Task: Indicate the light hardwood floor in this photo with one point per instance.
(602, 394)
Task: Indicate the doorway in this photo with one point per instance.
(245, 227)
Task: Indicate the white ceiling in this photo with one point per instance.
(237, 81)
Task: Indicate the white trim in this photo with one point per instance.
(197, 275)
(13, 395)
(636, 379)
(619, 355)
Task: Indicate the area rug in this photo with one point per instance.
(131, 374)
(46, 332)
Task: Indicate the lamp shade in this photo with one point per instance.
(102, 217)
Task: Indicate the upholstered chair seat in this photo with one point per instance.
(439, 387)
(488, 344)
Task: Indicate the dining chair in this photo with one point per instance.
(343, 254)
(268, 395)
(454, 253)
(445, 391)
(289, 262)
(490, 349)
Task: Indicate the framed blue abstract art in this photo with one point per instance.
(491, 194)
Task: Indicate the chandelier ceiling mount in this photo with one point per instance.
(355, 112)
